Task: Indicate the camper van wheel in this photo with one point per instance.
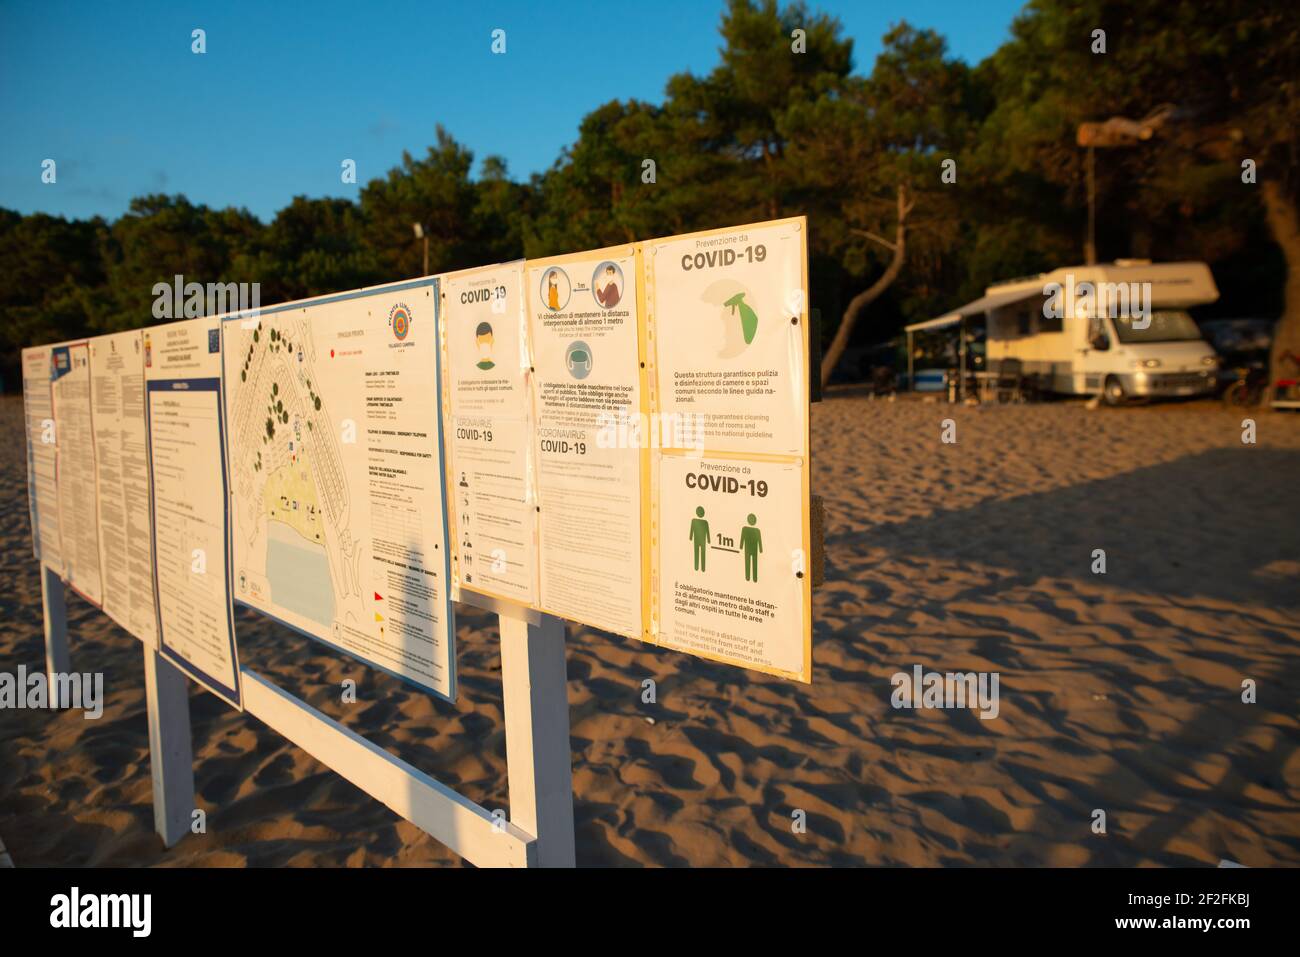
(1113, 391)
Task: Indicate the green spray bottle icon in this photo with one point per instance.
(748, 317)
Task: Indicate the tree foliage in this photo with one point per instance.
(787, 124)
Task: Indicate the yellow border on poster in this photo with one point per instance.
(449, 427)
(649, 407)
(621, 251)
(803, 373)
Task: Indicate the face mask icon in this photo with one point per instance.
(578, 360)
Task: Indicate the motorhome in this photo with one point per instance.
(1117, 329)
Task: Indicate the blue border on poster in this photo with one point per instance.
(432, 282)
(231, 695)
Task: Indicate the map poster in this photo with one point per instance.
(122, 472)
(733, 585)
(335, 452)
(42, 486)
(729, 313)
(494, 507)
(75, 447)
(584, 324)
(183, 414)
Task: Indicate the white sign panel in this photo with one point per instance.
(494, 509)
(78, 499)
(184, 414)
(337, 495)
(122, 470)
(731, 561)
(42, 484)
(728, 320)
(585, 330)
(728, 311)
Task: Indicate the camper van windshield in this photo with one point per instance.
(1167, 325)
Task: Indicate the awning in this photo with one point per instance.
(983, 304)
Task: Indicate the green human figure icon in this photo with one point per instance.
(700, 538)
(751, 543)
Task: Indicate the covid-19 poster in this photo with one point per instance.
(493, 505)
(585, 329)
(729, 328)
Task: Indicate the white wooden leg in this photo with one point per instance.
(55, 606)
(539, 763)
(170, 752)
(455, 820)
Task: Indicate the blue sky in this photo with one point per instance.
(286, 91)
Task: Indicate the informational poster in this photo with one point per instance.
(183, 411)
(78, 499)
(493, 506)
(584, 324)
(730, 329)
(336, 458)
(732, 586)
(728, 320)
(42, 464)
(122, 472)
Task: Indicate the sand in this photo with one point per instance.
(1119, 692)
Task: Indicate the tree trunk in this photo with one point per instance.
(1284, 224)
(858, 304)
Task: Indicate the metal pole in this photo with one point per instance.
(1090, 249)
(911, 377)
(961, 360)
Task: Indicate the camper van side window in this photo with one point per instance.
(1097, 336)
(1049, 323)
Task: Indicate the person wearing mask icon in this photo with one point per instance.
(608, 294)
(483, 338)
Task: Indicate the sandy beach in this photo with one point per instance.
(1119, 692)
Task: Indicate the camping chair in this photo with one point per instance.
(1010, 380)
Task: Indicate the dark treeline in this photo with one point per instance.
(785, 125)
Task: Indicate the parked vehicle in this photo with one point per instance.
(1243, 347)
(1117, 329)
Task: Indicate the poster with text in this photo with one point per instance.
(42, 482)
(185, 422)
(75, 446)
(584, 327)
(732, 579)
(122, 471)
(492, 455)
(338, 521)
(730, 327)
